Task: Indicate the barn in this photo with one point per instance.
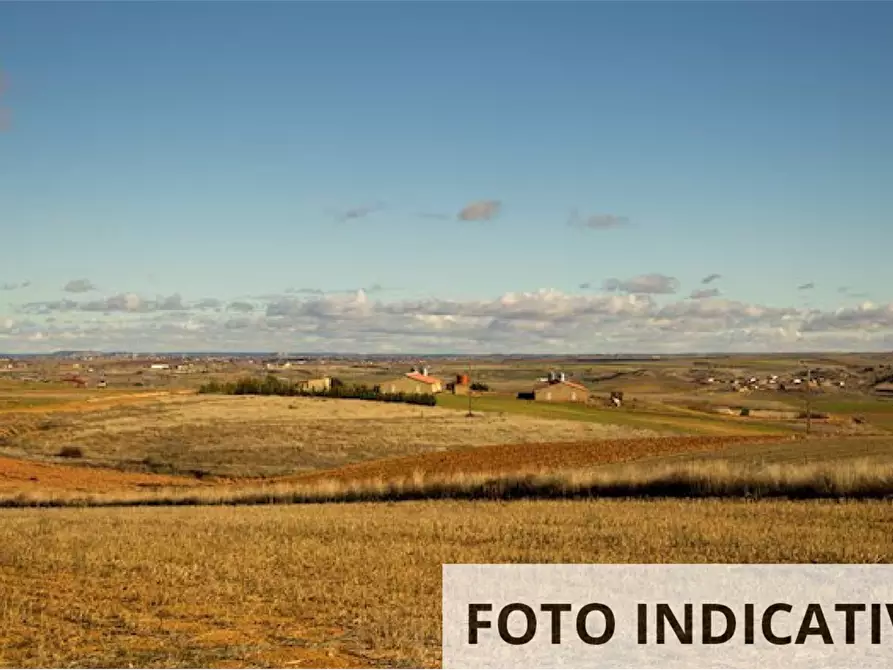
(884, 390)
(561, 391)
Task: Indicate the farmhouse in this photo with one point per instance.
(321, 384)
(885, 390)
(561, 391)
(413, 382)
(461, 386)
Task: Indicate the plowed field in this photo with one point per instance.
(25, 475)
(521, 458)
(20, 475)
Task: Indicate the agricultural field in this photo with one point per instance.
(184, 542)
(514, 459)
(268, 436)
(663, 419)
(346, 585)
(872, 449)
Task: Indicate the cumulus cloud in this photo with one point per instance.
(701, 294)
(49, 306)
(171, 303)
(121, 302)
(806, 287)
(12, 286)
(305, 291)
(654, 283)
(316, 292)
(360, 212)
(237, 323)
(867, 316)
(480, 210)
(208, 303)
(376, 288)
(585, 286)
(596, 221)
(79, 286)
(544, 321)
(240, 306)
(709, 279)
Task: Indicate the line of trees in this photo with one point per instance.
(272, 385)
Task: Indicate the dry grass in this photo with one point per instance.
(346, 586)
(30, 476)
(864, 478)
(827, 450)
(266, 436)
(502, 459)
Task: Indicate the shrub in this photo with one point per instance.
(274, 386)
(153, 464)
(71, 452)
(745, 411)
(478, 386)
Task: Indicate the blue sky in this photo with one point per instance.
(211, 151)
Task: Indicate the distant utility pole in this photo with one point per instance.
(808, 399)
(469, 392)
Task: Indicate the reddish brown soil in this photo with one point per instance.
(21, 475)
(520, 458)
(24, 475)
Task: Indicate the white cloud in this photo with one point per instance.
(79, 286)
(866, 316)
(655, 283)
(540, 321)
(121, 302)
(597, 221)
(480, 210)
(241, 306)
(700, 294)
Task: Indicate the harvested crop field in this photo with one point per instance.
(29, 476)
(22, 475)
(347, 585)
(531, 458)
(78, 401)
(818, 450)
(267, 436)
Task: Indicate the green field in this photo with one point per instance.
(669, 422)
(854, 405)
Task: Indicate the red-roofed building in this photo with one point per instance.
(413, 382)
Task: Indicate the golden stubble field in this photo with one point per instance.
(265, 436)
(344, 585)
(347, 585)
